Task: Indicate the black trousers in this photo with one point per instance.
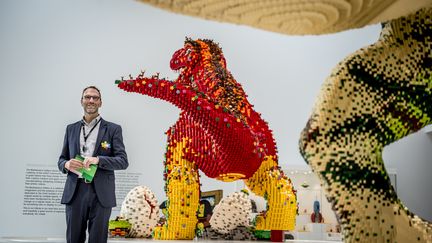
(84, 212)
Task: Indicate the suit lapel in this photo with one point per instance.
(76, 134)
(102, 130)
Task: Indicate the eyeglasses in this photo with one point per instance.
(89, 97)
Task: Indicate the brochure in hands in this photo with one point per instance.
(86, 173)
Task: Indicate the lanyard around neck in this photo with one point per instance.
(91, 130)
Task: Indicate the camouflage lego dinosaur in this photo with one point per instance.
(377, 95)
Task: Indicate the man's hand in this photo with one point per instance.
(73, 165)
(90, 160)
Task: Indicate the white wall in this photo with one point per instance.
(411, 157)
(50, 50)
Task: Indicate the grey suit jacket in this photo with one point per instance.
(110, 159)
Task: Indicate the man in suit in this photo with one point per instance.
(101, 143)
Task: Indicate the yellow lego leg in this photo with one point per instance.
(182, 187)
(270, 182)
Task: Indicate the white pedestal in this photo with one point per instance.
(316, 231)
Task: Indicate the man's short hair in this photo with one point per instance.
(91, 87)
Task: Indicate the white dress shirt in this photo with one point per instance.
(90, 143)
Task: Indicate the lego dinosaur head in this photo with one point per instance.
(196, 56)
(202, 66)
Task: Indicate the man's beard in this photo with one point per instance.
(92, 110)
